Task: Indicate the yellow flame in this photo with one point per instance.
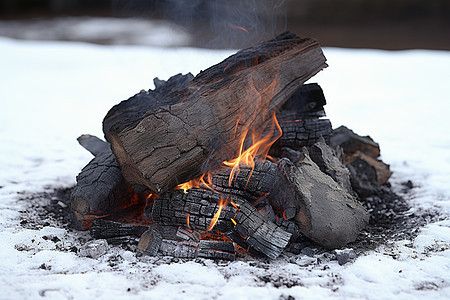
(222, 203)
(259, 148)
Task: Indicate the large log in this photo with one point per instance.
(186, 126)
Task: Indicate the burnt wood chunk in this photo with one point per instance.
(104, 229)
(238, 219)
(350, 142)
(307, 102)
(100, 191)
(326, 212)
(178, 241)
(329, 163)
(361, 148)
(249, 183)
(300, 133)
(216, 250)
(187, 126)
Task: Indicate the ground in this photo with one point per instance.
(54, 91)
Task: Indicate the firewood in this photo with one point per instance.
(240, 221)
(186, 126)
(300, 133)
(326, 212)
(101, 189)
(249, 183)
(104, 229)
(168, 240)
(216, 250)
(329, 163)
(359, 148)
(93, 144)
(351, 142)
(307, 102)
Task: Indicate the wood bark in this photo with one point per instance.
(187, 126)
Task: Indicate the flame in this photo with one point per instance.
(290, 121)
(199, 182)
(222, 203)
(237, 27)
(235, 205)
(260, 148)
(187, 220)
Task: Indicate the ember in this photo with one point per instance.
(248, 140)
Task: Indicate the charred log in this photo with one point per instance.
(306, 103)
(301, 133)
(104, 229)
(187, 126)
(239, 220)
(177, 241)
(357, 149)
(101, 189)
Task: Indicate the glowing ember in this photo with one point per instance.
(187, 220)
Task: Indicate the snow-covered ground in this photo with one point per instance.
(51, 92)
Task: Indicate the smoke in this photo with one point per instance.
(214, 23)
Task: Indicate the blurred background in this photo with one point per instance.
(380, 24)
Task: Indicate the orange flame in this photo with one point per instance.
(198, 182)
(222, 204)
(237, 27)
(187, 220)
(259, 148)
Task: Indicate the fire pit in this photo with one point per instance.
(238, 156)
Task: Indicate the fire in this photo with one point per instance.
(259, 149)
(187, 220)
(222, 203)
(199, 182)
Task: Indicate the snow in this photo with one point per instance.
(51, 92)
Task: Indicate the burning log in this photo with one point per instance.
(299, 120)
(199, 144)
(207, 210)
(101, 189)
(187, 125)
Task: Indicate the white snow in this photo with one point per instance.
(51, 92)
(119, 31)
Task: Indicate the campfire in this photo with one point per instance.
(240, 156)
